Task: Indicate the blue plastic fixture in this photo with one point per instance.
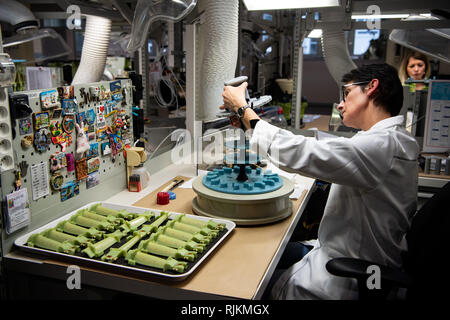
(224, 180)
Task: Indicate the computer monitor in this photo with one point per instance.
(437, 118)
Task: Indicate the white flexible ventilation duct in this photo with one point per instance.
(17, 15)
(95, 48)
(334, 47)
(219, 54)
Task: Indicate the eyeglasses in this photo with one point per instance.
(344, 93)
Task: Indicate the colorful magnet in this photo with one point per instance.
(70, 162)
(90, 116)
(68, 123)
(58, 161)
(93, 150)
(69, 92)
(69, 107)
(104, 93)
(101, 121)
(102, 134)
(115, 86)
(56, 181)
(81, 117)
(93, 165)
(26, 142)
(69, 190)
(64, 140)
(117, 97)
(55, 128)
(56, 113)
(93, 179)
(81, 169)
(94, 91)
(49, 99)
(41, 120)
(41, 140)
(106, 148)
(25, 126)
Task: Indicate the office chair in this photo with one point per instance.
(425, 273)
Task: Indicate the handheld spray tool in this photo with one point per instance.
(252, 102)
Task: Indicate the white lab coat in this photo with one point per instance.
(370, 204)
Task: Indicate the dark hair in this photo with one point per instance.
(389, 94)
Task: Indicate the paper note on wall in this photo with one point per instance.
(39, 180)
(18, 210)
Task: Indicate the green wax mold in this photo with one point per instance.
(200, 223)
(41, 241)
(160, 238)
(98, 208)
(92, 215)
(147, 229)
(97, 249)
(138, 257)
(185, 236)
(158, 249)
(192, 229)
(115, 253)
(69, 227)
(61, 237)
(135, 223)
(91, 223)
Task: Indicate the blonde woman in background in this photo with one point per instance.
(416, 66)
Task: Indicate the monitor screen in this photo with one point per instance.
(362, 40)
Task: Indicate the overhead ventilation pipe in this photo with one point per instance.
(220, 52)
(334, 46)
(19, 16)
(95, 49)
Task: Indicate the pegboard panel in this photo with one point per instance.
(105, 110)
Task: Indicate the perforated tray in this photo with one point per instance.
(121, 264)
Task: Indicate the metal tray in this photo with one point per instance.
(118, 266)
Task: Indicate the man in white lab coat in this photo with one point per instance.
(374, 176)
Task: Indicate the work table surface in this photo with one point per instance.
(239, 268)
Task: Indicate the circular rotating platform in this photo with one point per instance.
(243, 209)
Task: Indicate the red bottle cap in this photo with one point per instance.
(162, 198)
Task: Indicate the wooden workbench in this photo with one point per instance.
(237, 268)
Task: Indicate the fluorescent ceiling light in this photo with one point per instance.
(386, 16)
(316, 33)
(253, 5)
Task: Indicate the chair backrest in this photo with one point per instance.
(428, 249)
